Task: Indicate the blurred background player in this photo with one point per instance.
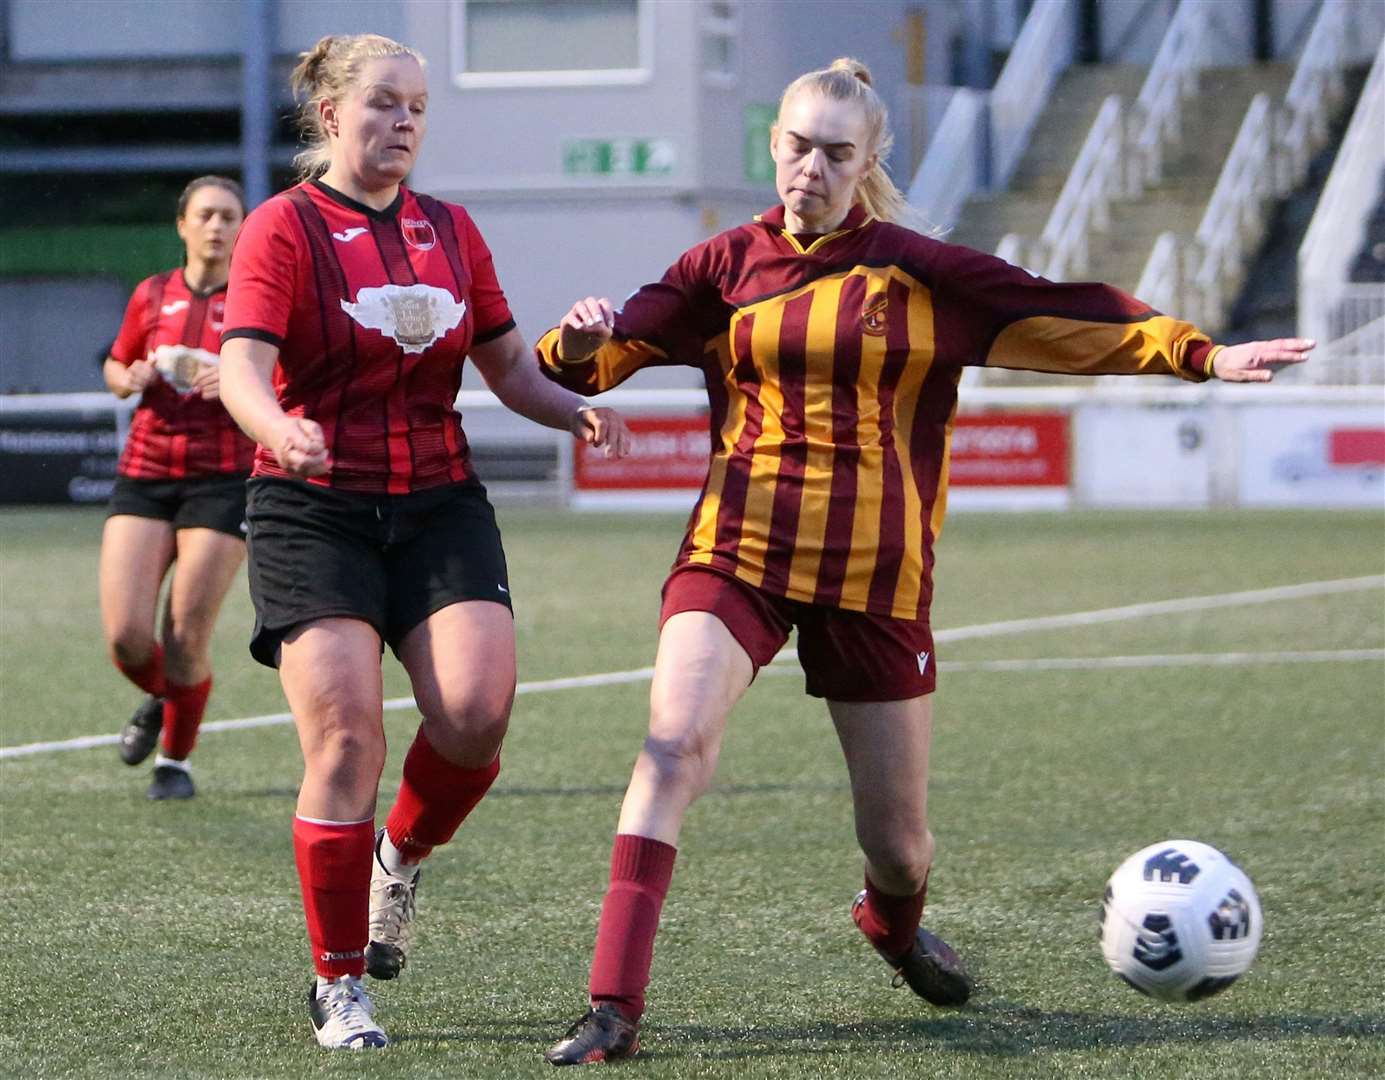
(832, 341)
(353, 305)
(179, 497)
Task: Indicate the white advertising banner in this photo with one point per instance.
(1312, 456)
(1142, 455)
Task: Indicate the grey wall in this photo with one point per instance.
(55, 332)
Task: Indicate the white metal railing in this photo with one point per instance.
(1348, 199)
(916, 116)
(952, 168)
(1357, 358)
(1314, 91)
(1084, 204)
(978, 142)
(1161, 284)
(1043, 50)
(1186, 48)
(1235, 221)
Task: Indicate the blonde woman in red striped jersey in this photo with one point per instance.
(832, 340)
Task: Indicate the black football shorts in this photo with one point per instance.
(199, 502)
(389, 560)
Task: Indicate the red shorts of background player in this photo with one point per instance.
(846, 655)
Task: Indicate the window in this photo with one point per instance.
(720, 28)
(552, 42)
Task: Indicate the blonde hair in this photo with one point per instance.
(325, 73)
(847, 79)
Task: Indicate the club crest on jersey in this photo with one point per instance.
(419, 233)
(415, 316)
(873, 314)
(216, 314)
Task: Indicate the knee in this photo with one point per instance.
(472, 726)
(346, 755)
(185, 643)
(681, 756)
(899, 858)
(130, 648)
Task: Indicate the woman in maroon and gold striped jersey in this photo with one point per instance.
(354, 303)
(831, 340)
(179, 497)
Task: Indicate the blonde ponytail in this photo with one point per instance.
(324, 73)
(847, 79)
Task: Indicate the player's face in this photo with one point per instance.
(379, 124)
(821, 153)
(209, 225)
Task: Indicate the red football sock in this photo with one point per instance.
(892, 922)
(149, 676)
(183, 709)
(435, 796)
(334, 872)
(641, 869)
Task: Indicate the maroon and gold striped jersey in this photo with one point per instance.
(373, 312)
(832, 368)
(175, 433)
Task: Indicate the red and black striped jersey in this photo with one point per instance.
(832, 369)
(373, 312)
(174, 433)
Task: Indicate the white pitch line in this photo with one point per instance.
(959, 633)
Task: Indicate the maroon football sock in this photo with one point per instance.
(435, 796)
(183, 709)
(641, 869)
(148, 676)
(891, 922)
(334, 872)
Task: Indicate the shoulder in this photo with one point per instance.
(276, 212)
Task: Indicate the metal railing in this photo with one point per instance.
(953, 168)
(1348, 199)
(1235, 221)
(1186, 49)
(1356, 358)
(1314, 92)
(1084, 205)
(982, 134)
(1043, 50)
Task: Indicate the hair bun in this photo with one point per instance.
(851, 66)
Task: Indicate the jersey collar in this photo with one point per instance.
(389, 213)
(855, 218)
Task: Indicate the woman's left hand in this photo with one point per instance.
(602, 427)
(208, 382)
(1257, 361)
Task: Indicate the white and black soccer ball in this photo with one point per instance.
(1180, 921)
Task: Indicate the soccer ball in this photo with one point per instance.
(1180, 921)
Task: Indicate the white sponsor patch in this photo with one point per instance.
(415, 316)
(181, 364)
(347, 235)
(174, 308)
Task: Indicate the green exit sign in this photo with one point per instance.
(618, 157)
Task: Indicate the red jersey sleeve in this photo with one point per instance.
(265, 267)
(129, 344)
(488, 304)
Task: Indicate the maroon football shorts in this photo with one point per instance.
(845, 655)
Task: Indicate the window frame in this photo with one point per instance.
(469, 80)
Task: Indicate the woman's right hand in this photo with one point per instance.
(585, 328)
(138, 375)
(300, 448)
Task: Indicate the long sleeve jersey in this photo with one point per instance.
(832, 369)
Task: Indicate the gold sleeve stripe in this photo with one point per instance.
(1079, 347)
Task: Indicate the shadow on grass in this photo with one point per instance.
(997, 1029)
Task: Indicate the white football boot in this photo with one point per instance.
(343, 1016)
(392, 910)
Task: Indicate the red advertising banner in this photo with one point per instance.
(1010, 450)
(666, 453)
(1356, 446)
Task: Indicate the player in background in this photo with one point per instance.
(353, 304)
(832, 341)
(179, 497)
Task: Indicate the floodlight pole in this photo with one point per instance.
(257, 47)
